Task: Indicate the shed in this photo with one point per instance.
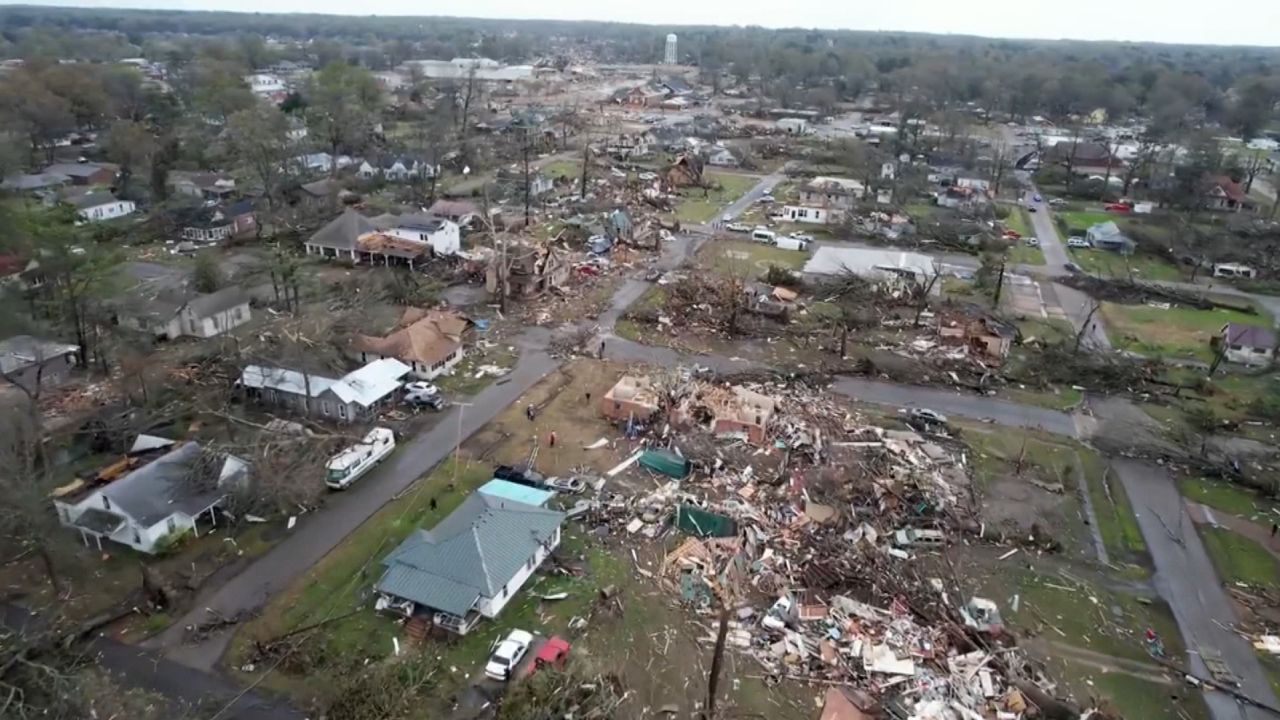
(515, 492)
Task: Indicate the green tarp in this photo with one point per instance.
(704, 524)
(665, 462)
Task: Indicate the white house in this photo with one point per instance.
(722, 157)
(173, 315)
(470, 564)
(812, 215)
(101, 206)
(1246, 344)
(973, 182)
(156, 501)
(794, 126)
(888, 170)
(265, 84)
(358, 395)
(872, 264)
(444, 236)
(397, 169)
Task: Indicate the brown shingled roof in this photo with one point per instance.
(425, 336)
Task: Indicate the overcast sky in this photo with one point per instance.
(1240, 22)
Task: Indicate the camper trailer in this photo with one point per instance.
(349, 465)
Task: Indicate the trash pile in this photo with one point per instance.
(805, 528)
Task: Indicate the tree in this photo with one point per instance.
(258, 139)
(341, 104)
(206, 276)
(29, 108)
(132, 146)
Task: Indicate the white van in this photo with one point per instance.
(347, 466)
(764, 235)
(791, 242)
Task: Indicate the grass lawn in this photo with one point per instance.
(462, 379)
(1239, 559)
(563, 168)
(1176, 333)
(1024, 254)
(1116, 522)
(919, 210)
(1051, 330)
(1061, 398)
(752, 258)
(1085, 219)
(697, 206)
(1018, 221)
(1108, 264)
(1231, 498)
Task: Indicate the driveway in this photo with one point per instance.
(739, 206)
(1187, 580)
(319, 532)
(1075, 304)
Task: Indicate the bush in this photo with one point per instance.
(1002, 212)
(778, 275)
(1266, 407)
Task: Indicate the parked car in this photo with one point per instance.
(908, 537)
(1075, 241)
(738, 227)
(553, 654)
(764, 235)
(568, 485)
(433, 402)
(1037, 198)
(803, 236)
(1057, 202)
(421, 386)
(927, 415)
(792, 242)
(508, 654)
(1032, 241)
(1031, 208)
(520, 476)
(1118, 207)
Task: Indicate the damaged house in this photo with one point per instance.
(528, 271)
(385, 239)
(727, 411)
(357, 396)
(428, 341)
(173, 313)
(985, 337)
(631, 398)
(159, 491)
(685, 171)
(470, 564)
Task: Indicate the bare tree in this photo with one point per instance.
(1094, 306)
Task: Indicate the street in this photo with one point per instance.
(1075, 304)
(1187, 580)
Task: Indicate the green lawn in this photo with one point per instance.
(462, 379)
(1240, 559)
(917, 210)
(1024, 254)
(1116, 522)
(1018, 221)
(1109, 264)
(1231, 498)
(563, 168)
(1175, 333)
(1085, 219)
(752, 258)
(699, 206)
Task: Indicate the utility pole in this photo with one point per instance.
(586, 156)
(999, 285)
(527, 179)
(457, 448)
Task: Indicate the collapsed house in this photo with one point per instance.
(684, 171)
(986, 338)
(726, 411)
(526, 271)
(630, 399)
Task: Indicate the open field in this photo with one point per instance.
(1109, 264)
(1021, 253)
(752, 259)
(1178, 332)
(699, 205)
(1239, 559)
(1080, 220)
(1232, 498)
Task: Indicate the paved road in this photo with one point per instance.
(739, 206)
(1074, 303)
(1186, 579)
(318, 534)
(183, 687)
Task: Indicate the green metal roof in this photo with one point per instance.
(471, 553)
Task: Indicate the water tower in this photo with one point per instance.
(669, 57)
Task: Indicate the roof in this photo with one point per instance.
(472, 553)
(213, 303)
(1106, 229)
(835, 260)
(1230, 188)
(84, 201)
(182, 480)
(34, 182)
(22, 351)
(413, 221)
(515, 492)
(1251, 336)
(453, 208)
(343, 231)
(81, 170)
(426, 337)
(364, 386)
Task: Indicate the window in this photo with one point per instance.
(171, 524)
(504, 592)
(324, 408)
(342, 411)
(137, 538)
(106, 502)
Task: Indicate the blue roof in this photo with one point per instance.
(515, 492)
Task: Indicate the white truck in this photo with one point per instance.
(347, 466)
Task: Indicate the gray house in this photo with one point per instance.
(470, 564)
(1107, 236)
(358, 395)
(30, 363)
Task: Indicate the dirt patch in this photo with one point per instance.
(1013, 504)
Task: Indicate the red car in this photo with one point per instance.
(553, 653)
(1118, 207)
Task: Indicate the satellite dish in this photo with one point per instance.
(466, 170)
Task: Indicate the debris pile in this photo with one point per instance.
(812, 532)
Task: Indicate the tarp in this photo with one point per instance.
(665, 462)
(704, 524)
